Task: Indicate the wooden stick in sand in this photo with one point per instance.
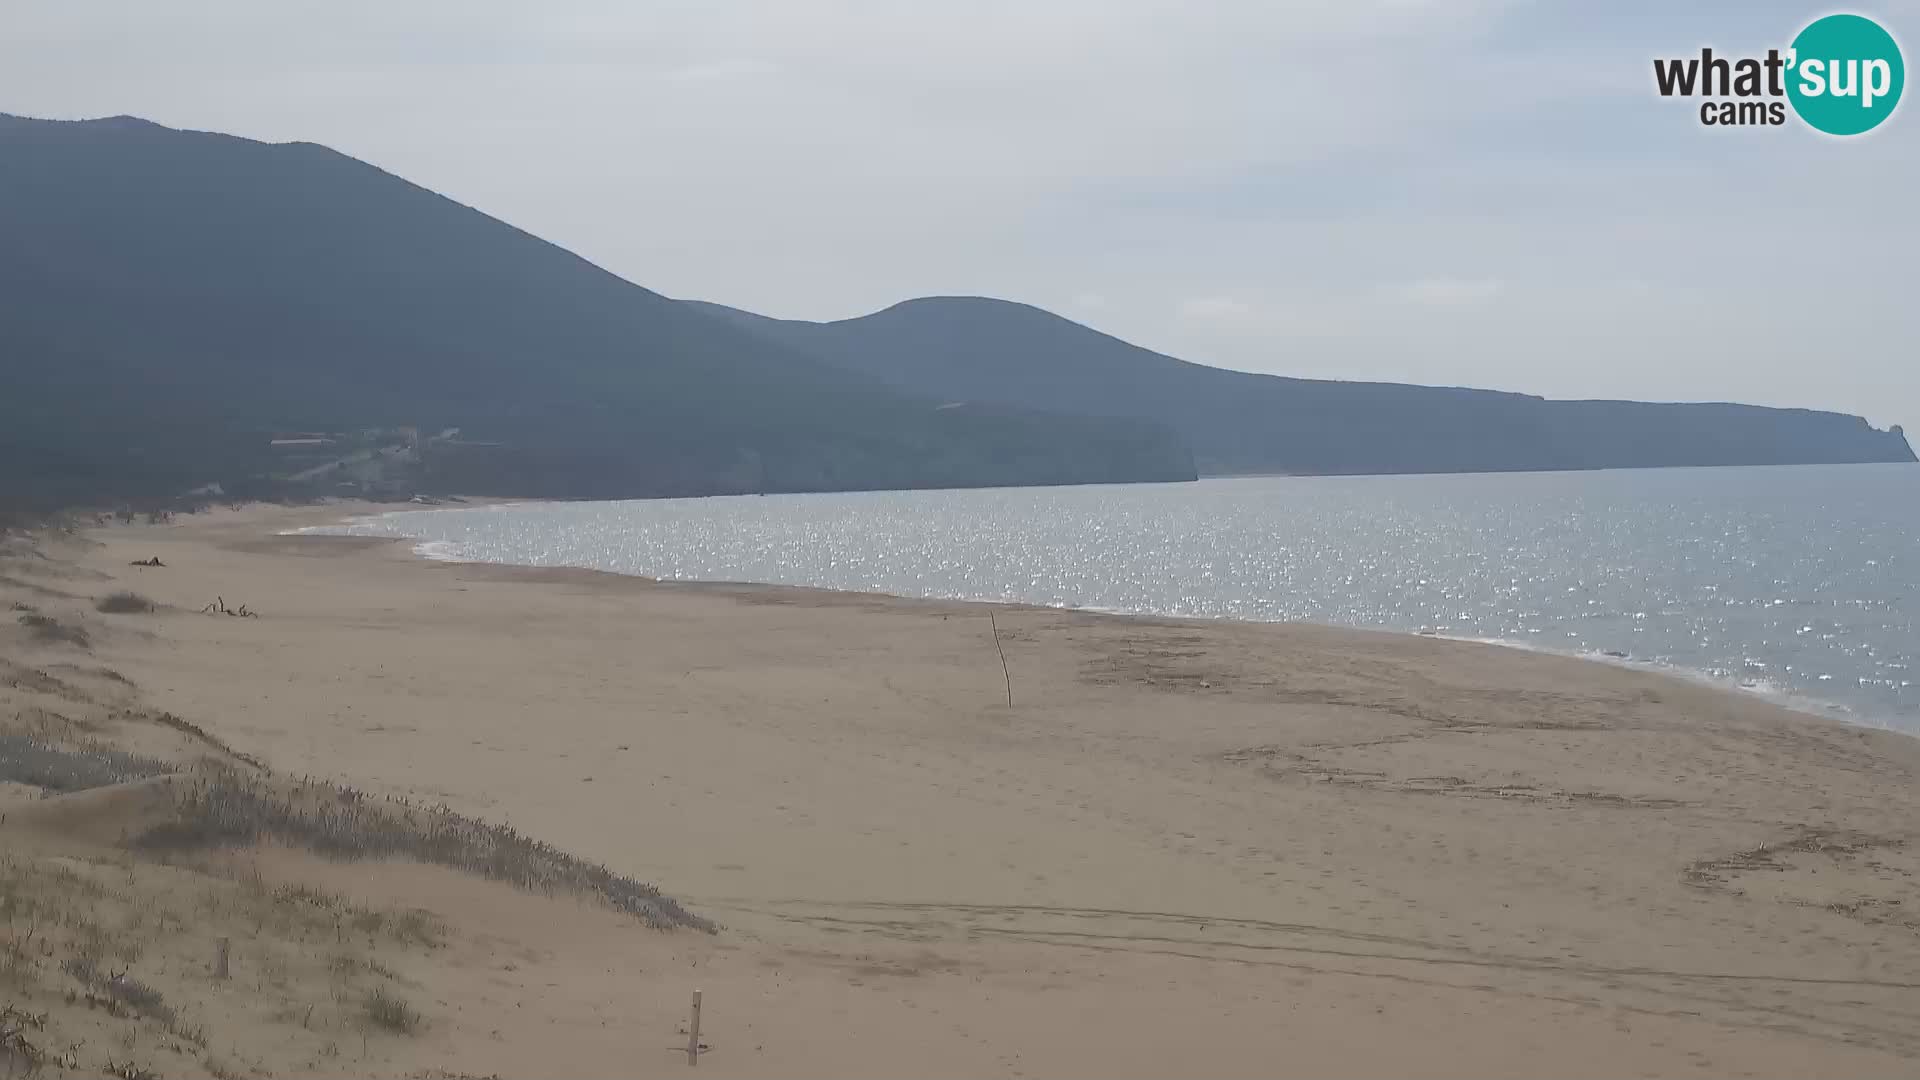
(693, 1033)
(1008, 675)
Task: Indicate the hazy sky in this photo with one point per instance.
(1486, 194)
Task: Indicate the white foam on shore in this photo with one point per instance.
(344, 523)
(442, 551)
(435, 550)
(1762, 688)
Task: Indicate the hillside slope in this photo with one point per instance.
(170, 299)
(975, 349)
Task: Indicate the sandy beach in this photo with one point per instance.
(1187, 848)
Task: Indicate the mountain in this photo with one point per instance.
(980, 350)
(170, 300)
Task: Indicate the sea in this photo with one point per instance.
(1798, 583)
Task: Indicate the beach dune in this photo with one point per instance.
(1186, 848)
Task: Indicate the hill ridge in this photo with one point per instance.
(174, 299)
(990, 349)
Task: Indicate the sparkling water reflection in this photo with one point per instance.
(1791, 581)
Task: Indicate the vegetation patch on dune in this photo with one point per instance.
(105, 968)
(125, 602)
(233, 811)
(225, 809)
(386, 1009)
(51, 631)
(27, 760)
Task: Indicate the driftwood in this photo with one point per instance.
(219, 607)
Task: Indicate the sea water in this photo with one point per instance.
(1795, 582)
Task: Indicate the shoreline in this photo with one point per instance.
(1189, 846)
(1794, 700)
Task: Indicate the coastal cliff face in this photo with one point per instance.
(976, 349)
(170, 301)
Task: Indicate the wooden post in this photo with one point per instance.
(693, 1033)
(1004, 672)
(221, 948)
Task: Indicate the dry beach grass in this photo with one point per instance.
(1187, 848)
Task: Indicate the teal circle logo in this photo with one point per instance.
(1845, 74)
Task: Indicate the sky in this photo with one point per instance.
(1481, 193)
